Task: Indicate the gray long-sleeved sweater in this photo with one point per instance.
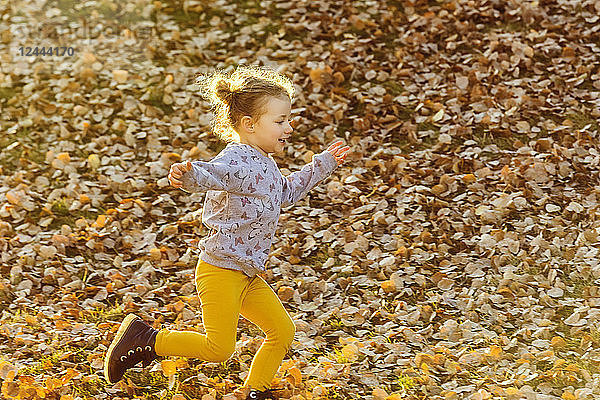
(245, 191)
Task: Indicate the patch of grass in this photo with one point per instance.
(98, 315)
(7, 93)
(335, 322)
(403, 383)
(190, 18)
(44, 363)
(47, 362)
(31, 147)
(63, 216)
(317, 258)
(581, 287)
(562, 313)
(89, 387)
(427, 126)
(484, 137)
(156, 96)
(397, 4)
(582, 119)
(332, 393)
(393, 87)
(344, 126)
(511, 26)
(108, 10)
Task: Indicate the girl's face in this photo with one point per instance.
(272, 131)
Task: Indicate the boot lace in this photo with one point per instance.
(138, 354)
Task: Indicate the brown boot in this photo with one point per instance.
(134, 342)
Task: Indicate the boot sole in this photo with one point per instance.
(122, 329)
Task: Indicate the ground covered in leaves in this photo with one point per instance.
(453, 256)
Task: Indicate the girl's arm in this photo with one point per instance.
(201, 176)
(297, 184)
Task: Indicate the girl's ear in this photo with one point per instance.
(247, 123)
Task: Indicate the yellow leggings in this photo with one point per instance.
(224, 294)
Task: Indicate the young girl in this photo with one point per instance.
(244, 194)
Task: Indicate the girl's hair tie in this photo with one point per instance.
(223, 91)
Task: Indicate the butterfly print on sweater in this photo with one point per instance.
(217, 204)
(269, 205)
(256, 228)
(264, 165)
(241, 175)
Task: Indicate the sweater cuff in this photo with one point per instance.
(188, 183)
(329, 161)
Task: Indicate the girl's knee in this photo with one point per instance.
(220, 353)
(288, 330)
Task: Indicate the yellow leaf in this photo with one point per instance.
(64, 157)
(438, 115)
(13, 198)
(155, 254)
(568, 396)
(394, 396)
(120, 75)
(388, 286)
(7, 371)
(88, 58)
(52, 383)
(93, 161)
(62, 324)
(350, 351)
(469, 178)
(379, 394)
(315, 74)
(66, 397)
(347, 340)
(71, 373)
(41, 392)
(100, 221)
(512, 391)
(572, 367)
(296, 374)
(495, 352)
(168, 367)
(423, 358)
(31, 319)
(558, 342)
(287, 365)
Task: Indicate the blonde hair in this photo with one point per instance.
(245, 92)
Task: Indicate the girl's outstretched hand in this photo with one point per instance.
(177, 171)
(338, 152)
